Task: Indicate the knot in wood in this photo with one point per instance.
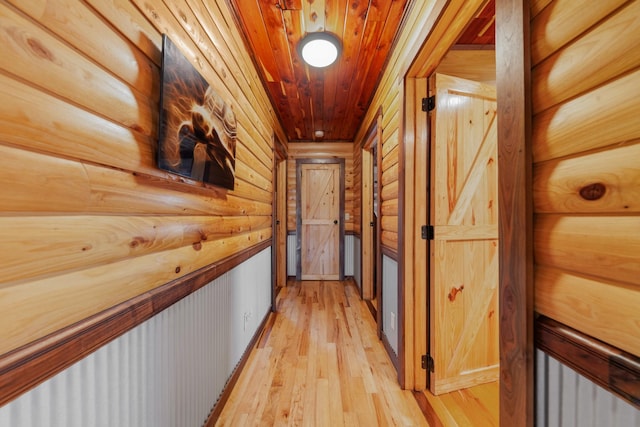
(455, 291)
(593, 191)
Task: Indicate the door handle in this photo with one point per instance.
(335, 221)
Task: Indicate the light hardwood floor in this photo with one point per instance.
(319, 363)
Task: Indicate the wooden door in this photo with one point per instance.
(320, 221)
(464, 253)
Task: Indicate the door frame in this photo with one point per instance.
(278, 226)
(371, 257)
(299, 163)
(516, 284)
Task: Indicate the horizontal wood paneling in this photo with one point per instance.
(599, 118)
(123, 16)
(562, 21)
(598, 307)
(586, 103)
(357, 188)
(71, 242)
(602, 53)
(389, 192)
(597, 182)
(54, 15)
(601, 246)
(89, 221)
(389, 239)
(29, 48)
(42, 306)
(390, 207)
(98, 189)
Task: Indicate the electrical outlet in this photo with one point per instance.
(247, 317)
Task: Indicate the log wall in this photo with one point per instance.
(586, 175)
(357, 188)
(87, 219)
(388, 169)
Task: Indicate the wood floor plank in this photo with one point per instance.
(489, 397)
(320, 363)
(323, 366)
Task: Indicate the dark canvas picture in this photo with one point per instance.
(197, 135)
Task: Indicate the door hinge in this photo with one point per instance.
(428, 232)
(429, 104)
(427, 362)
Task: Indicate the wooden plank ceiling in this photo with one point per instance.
(334, 99)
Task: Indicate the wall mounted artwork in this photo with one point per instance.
(197, 135)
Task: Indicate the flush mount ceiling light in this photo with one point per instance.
(319, 49)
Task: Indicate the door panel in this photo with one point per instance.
(320, 221)
(464, 274)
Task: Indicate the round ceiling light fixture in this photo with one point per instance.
(319, 49)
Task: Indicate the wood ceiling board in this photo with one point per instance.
(334, 99)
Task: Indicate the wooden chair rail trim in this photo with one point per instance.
(346, 233)
(390, 252)
(611, 368)
(28, 366)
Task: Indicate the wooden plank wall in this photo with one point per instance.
(586, 153)
(389, 169)
(87, 220)
(357, 189)
(389, 99)
(320, 150)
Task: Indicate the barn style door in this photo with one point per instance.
(320, 225)
(464, 250)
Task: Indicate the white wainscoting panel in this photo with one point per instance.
(357, 261)
(292, 255)
(564, 398)
(348, 254)
(168, 371)
(390, 301)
